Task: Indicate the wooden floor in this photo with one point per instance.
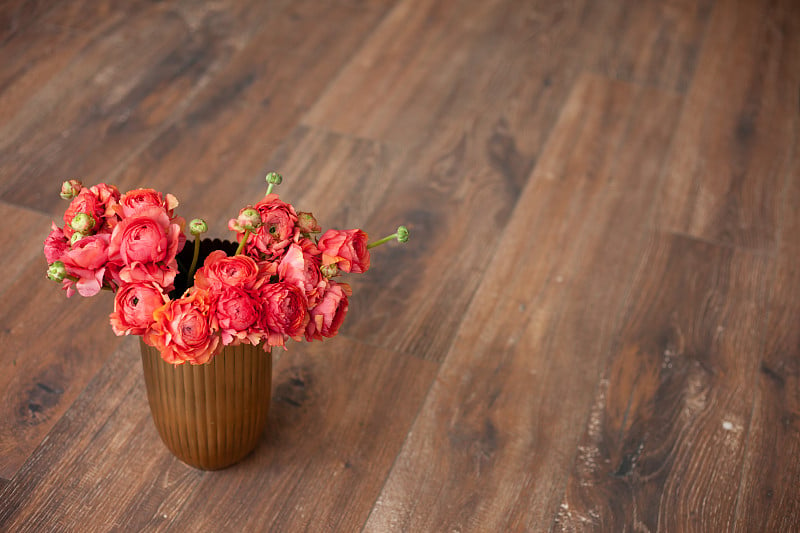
(595, 325)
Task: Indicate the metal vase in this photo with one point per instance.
(210, 416)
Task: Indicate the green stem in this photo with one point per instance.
(401, 235)
(194, 257)
(269, 188)
(244, 239)
(382, 241)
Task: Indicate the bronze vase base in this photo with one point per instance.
(210, 416)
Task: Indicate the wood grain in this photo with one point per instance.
(51, 346)
(330, 401)
(104, 450)
(728, 166)
(154, 62)
(768, 498)
(16, 16)
(487, 452)
(593, 326)
(652, 43)
(675, 401)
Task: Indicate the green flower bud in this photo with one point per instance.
(56, 271)
(402, 234)
(76, 237)
(273, 178)
(82, 223)
(329, 271)
(70, 189)
(249, 218)
(198, 226)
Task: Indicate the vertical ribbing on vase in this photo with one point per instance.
(210, 416)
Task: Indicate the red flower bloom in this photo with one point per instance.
(346, 249)
(55, 245)
(219, 270)
(284, 312)
(182, 330)
(134, 304)
(326, 317)
(87, 261)
(145, 245)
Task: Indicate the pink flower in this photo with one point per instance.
(55, 245)
(346, 249)
(87, 261)
(145, 245)
(284, 312)
(300, 266)
(220, 270)
(237, 314)
(86, 202)
(132, 201)
(134, 304)
(326, 317)
(278, 228)
(182, 330)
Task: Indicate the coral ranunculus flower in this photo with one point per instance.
(278, 228)
(220, 270)
(145, 245)
(237, 313)
(132, 201)
(346, 249)
(326, 317)
(300, 266)
(87, 260)
(88, 203)
(55, 244)
(284, 312)
(134, 304)
(182, 329)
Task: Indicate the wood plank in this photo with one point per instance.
(175, 154)
(16, 15)
(215, 156)
(727, 169)
(768, 496)
(653, 43)
(503, 57)
(490, 450)
(105, 449)
(330, 400)
(51, 346)
(417, 72)
(77, 119)
(665, 442)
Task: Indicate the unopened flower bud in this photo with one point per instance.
(82, 223)
(402, 234)
(273, 178)
(329, 271)
(307, 223)
(70, 189)
(249, 218)
(76, 237)
(198, 226)
(56, 271)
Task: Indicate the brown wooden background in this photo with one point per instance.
(595, 326)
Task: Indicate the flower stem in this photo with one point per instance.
(194, 257)
(401, 235)
(244, 240)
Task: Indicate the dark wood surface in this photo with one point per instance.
(594, 326)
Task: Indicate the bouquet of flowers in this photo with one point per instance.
(278, 280)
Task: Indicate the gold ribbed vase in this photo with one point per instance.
(210, 416)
